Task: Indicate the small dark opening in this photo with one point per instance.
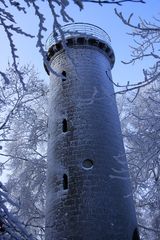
(81, 40)
(93, 41)
(59, 46)
(65, 128)
(64, 76)
(65, 181)
(135, 235)
(70, 41)
(107, 50)
(2, 229)
(87, 164)
(101, 45)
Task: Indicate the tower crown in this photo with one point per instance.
(76, 34)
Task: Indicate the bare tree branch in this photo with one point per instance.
(118, 2)
(149, 228)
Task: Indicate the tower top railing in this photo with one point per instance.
(77, 30)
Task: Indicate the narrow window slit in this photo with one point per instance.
(64, 76)
(65, 127)
(65, 181)
(135, 235)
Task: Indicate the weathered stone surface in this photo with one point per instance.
(98, 203)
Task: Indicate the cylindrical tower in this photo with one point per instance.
(88, 188)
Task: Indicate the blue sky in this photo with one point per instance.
(106, 19)
(103, 17)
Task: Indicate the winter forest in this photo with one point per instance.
(24, 112)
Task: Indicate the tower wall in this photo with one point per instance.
(88, 188)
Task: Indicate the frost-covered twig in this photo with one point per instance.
(146, 38)
(10, 27)
(11, 225)
(118, 2)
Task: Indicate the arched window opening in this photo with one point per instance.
(64, 76)
(64, 123)
(135, 235)
(65, 181)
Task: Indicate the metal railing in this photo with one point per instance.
(75, 30)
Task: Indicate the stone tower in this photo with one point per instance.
(88, 188)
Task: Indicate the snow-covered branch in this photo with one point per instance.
(117, 2)
(141, 130)
(11, 28)
(10, 226)
(146, 37)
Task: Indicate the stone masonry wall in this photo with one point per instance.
(88, 188)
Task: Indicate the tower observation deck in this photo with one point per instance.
(80, 34)
(89, 195)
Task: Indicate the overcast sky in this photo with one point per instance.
(103, 17)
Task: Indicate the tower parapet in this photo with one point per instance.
(80, 34)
